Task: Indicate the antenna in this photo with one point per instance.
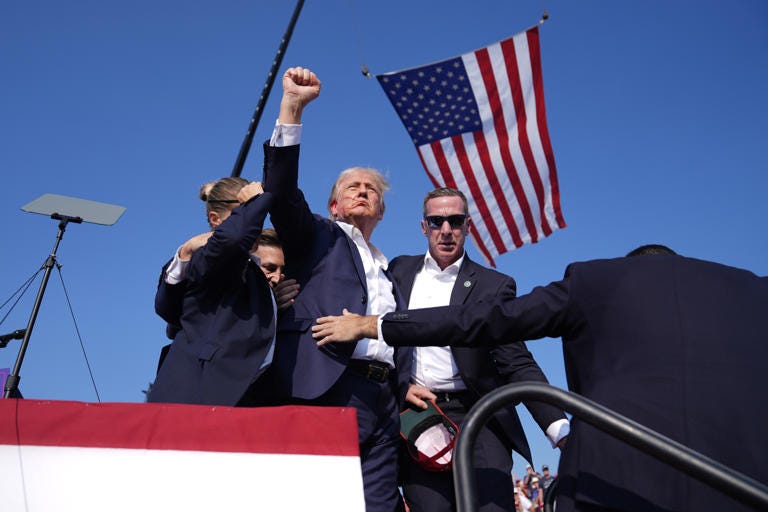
(65, 210)
(246, 145)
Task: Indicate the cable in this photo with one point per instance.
(26, 287)
(77, 330)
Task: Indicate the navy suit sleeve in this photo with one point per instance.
(290, 214)
(543, 312)
(223, 256)
(516, 364)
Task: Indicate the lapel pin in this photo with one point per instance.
(467, 284)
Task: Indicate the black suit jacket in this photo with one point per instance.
(484, 369)
(226, 316)
(327, 265)
(675, 343)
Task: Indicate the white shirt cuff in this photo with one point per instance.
(176, 271)
(285, 135)
(557, 431)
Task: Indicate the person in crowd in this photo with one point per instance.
(456, 378)
(537, 495)
(530, 474)
(546, 478)
(226, 316)
(516, 499)
(677, 344)
(337, 267)
(523, 497)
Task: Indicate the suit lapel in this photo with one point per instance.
(413, 267)
(355, 254)
(465, 282)
(401, 302)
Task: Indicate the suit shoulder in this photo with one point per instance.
(404, 260)
(489, 273)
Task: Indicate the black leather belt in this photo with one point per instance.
(373, 370)
(447, 396)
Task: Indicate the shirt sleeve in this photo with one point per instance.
(176, 271)
(557, 430)
(285, 135)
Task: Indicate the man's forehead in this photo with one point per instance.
(269, 252)
(359, 176)
(446, 203)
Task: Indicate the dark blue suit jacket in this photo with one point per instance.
(226, 316)
(327, 265)
(675, 343)
(484, 369)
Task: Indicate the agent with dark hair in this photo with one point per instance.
(677, 344)
(457, 377)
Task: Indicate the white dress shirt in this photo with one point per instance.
(381, 299)
(434, 367)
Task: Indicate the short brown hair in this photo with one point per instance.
(445, 192)
(268, 238)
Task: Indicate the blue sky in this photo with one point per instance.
(657, 113)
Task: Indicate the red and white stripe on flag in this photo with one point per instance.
(58, 455)
(479, 125)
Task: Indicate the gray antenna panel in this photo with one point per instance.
(90, 211)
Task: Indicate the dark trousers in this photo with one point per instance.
(427, 491)
(378, 423)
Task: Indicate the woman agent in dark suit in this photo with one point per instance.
(224, 308)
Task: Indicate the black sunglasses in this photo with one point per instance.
(436, 221)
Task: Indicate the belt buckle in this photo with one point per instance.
(377, 373)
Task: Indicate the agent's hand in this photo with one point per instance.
(300, 87)
(345, 329)
(252, 189)
(285, 292)
(193, 244)
(417, 394)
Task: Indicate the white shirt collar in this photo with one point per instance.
(357, 236)
(453, 268)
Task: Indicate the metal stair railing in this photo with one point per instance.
(718, 476)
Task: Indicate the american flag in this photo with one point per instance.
(479, 125)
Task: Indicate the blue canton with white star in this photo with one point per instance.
(434, 101)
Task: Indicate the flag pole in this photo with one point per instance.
(248, 140)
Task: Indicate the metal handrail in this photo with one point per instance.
(718, 476)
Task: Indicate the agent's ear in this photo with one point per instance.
(424, 228)
(214, 218)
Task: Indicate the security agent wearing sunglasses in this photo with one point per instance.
(456, 378)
